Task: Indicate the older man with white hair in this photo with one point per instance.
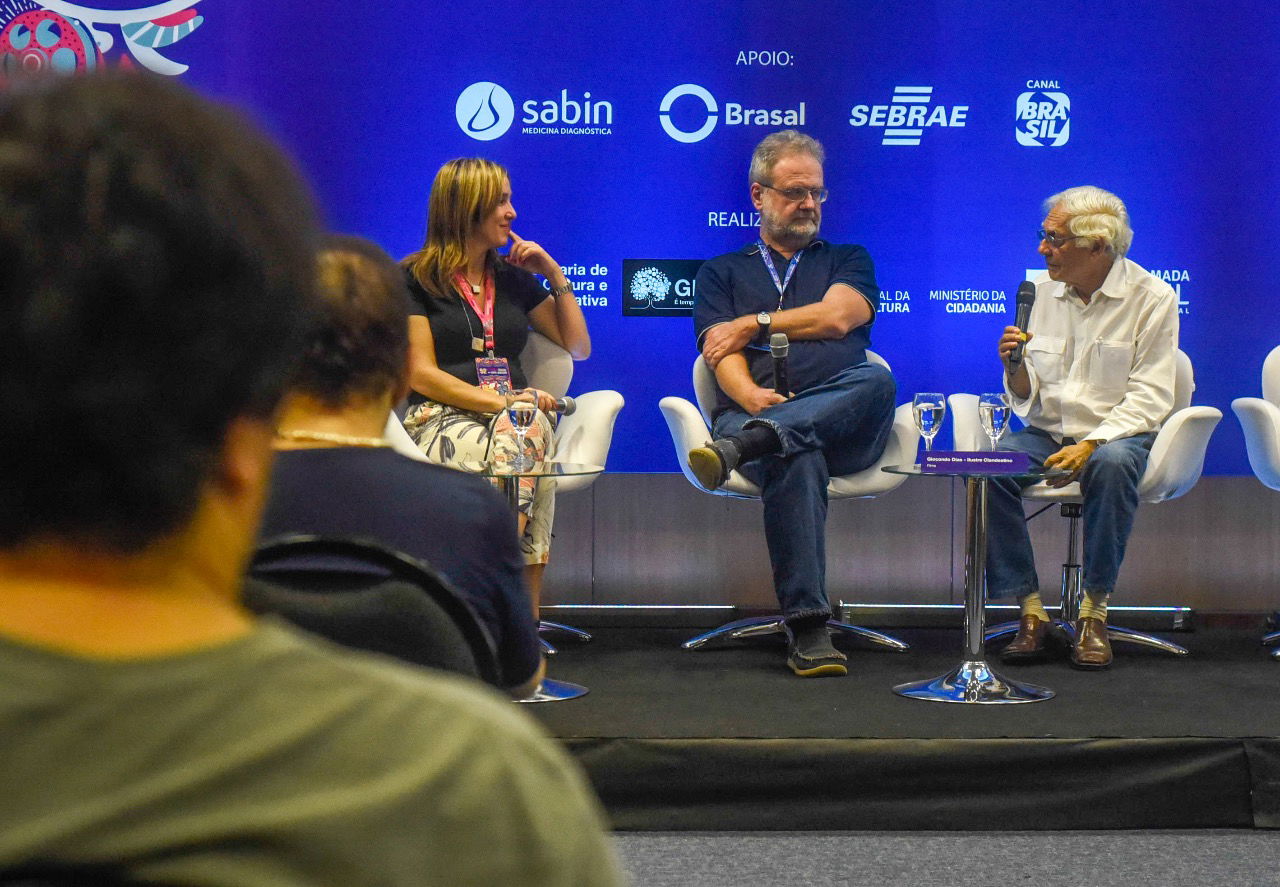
(1095, 384)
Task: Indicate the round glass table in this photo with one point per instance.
(510, 473)
(973, 681)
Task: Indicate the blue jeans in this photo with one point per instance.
(1109, 483)
(837, 427)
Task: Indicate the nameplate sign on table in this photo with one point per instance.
(955, 462)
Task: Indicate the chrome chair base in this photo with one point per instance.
(1121, 635)
(548, 648)
(551, 690)
(973, 682)
(761, 626)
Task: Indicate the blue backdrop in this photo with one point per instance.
(1173, 107)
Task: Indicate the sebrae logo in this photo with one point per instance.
(909, 114)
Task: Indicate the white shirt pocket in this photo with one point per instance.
(1110, 364)
(1044, 353)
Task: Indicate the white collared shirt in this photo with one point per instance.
(1104, 370)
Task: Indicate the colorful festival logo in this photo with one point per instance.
(37, 35)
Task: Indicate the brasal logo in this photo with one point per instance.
(708, 101)
(484, 111)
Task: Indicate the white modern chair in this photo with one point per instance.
(1174, 466)
(1260, 419)
(582, 437)
(690, 428)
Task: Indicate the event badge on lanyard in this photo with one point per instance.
(780, 283)
(491, 372)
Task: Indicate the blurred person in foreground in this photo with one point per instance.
(336, 475)
(472, 315)
(156, 279)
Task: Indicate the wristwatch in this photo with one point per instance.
(764, 322)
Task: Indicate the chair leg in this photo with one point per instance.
(868, 634)
(1129, 636)
(577, 633)
(762, 626)
(753, 627)
(1000, 630)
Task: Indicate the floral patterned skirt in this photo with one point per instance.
(447, 435)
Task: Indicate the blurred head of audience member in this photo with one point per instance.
(156, 283)
(354, 364)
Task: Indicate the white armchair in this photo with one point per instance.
(1260, 419)
(690, 428)
(1174, 466)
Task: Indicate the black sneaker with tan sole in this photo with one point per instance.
(810, 653)
(713, 463)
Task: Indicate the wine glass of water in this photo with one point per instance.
(993, 413)
(521, 413)
(929, 410)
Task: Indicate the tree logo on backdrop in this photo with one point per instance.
(484, 111)
(659, 287)
(909, 114)
(649, 285)
(52, 35)
(708, 101)
(1043, 115)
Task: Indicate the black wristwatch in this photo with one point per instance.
(764, 322)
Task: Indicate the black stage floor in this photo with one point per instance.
(728, 738)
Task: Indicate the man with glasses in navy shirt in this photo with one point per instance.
(836, 417)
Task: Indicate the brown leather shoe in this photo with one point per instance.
(1092, 648)
(1029, 644)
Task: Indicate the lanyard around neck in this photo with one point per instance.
(780, 283)
(486, 316)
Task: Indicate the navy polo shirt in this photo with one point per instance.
(738, 284)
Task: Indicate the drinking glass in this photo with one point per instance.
(522, 414)
(993, 413)
(929, 410)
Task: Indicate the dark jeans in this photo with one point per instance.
(838, 427)
(1109, 483)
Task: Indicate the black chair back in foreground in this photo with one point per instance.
(361, 594)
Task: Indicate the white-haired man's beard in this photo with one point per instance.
(797, 233)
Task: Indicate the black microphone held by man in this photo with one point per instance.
(779, 345)
(1022, 315)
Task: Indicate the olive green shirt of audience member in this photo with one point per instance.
(278, 759)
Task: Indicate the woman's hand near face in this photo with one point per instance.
(531, 256)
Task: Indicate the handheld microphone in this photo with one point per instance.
(566, 405)
(1026, 298)
(778, 347)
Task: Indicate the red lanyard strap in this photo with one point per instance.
(486, 316)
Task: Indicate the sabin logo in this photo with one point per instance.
(485, 111)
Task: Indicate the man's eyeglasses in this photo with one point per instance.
(1055, 240)
(795, 195)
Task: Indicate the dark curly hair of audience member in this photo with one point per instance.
(358, 349)
(156, 282)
